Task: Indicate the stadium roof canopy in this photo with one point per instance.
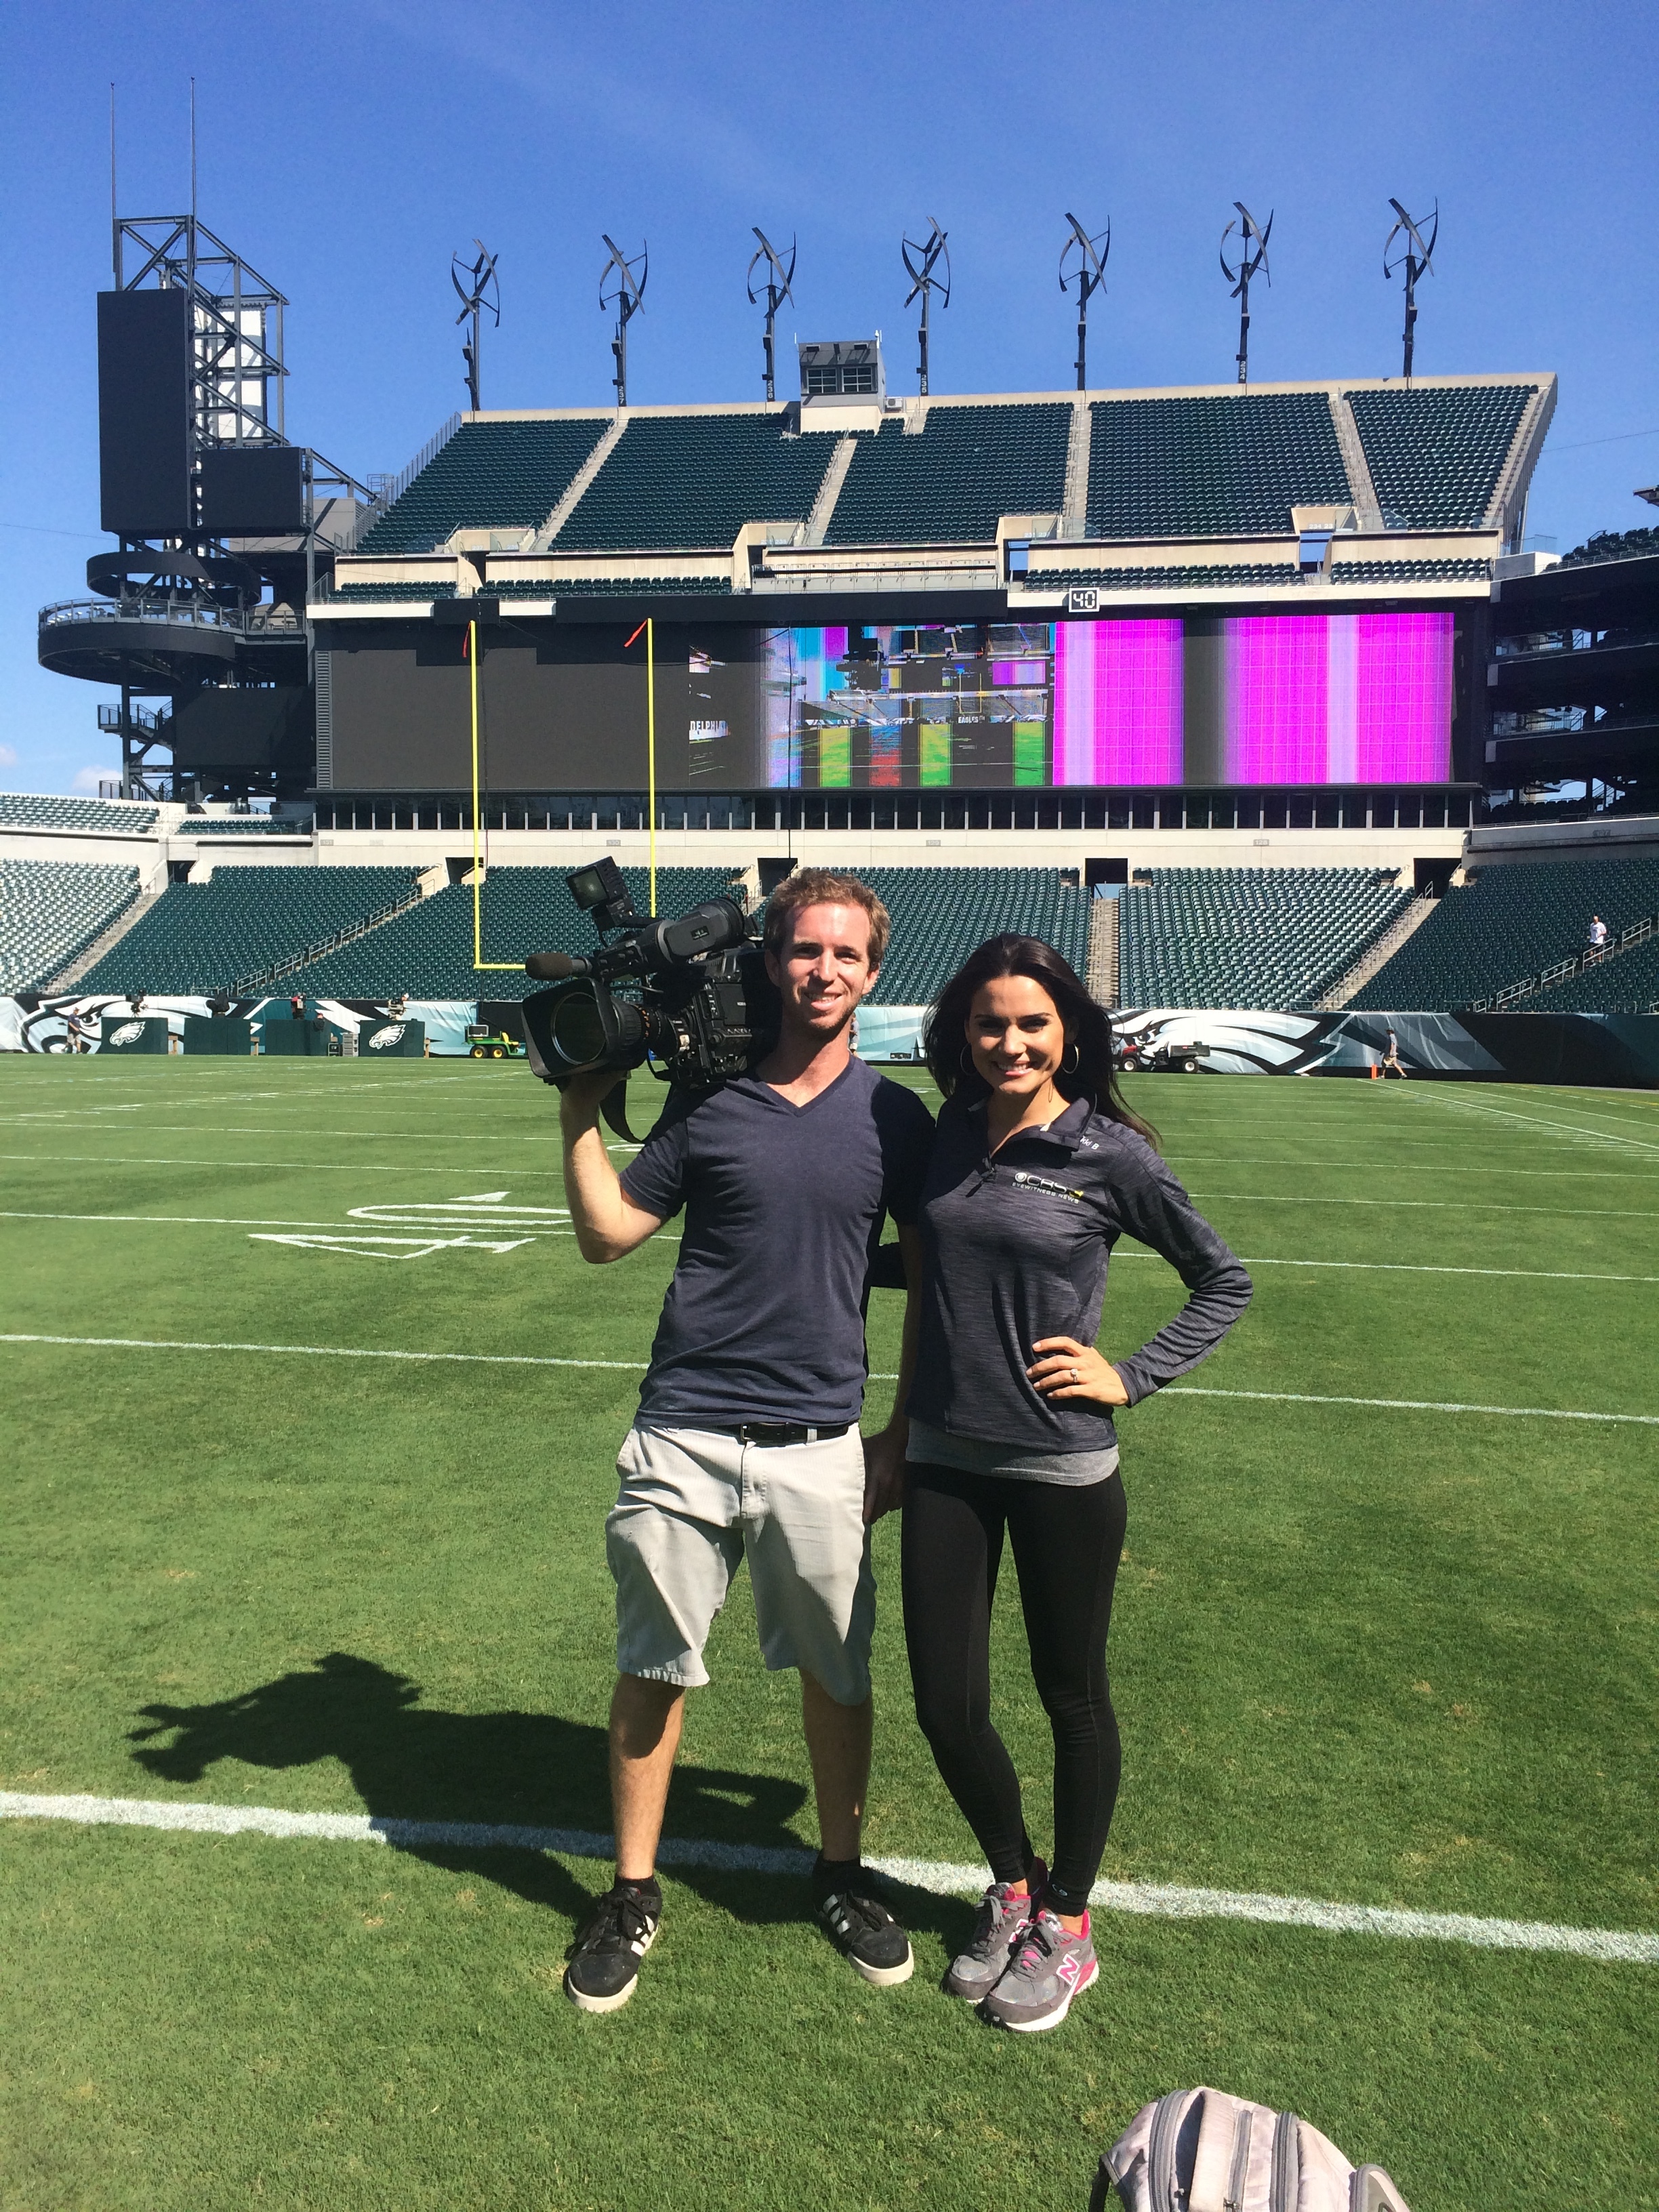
(1050, 501)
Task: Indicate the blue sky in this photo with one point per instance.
(345, 151)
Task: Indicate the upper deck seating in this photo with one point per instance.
(1435, 452)
(1247, 937)
(1210, 467)
(50, 911)
(951, 481)
(490, 476)
(682, 481)
(32, 809)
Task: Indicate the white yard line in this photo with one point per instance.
(1405, 1405)
(637, 1367)
(940, 1878)
(1436, 1205)
(1418, 1268)
(205, 1167)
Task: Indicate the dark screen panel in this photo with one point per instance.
(144, 414)
(253, 491)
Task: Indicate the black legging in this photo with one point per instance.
(1066, 1542)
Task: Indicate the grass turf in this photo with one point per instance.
(1368, 1655)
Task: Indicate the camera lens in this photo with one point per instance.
(579, 1036)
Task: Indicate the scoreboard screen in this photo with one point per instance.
(1208, 701)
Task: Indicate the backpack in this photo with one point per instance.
(1200, 2150)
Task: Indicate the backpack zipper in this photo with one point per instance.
(1283, 2189)
(1234, 2200)
(1161, 2151)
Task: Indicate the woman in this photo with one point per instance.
(1038, 1168)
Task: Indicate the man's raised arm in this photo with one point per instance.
(606, 1221)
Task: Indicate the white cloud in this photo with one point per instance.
(87, 780)
(7, 756)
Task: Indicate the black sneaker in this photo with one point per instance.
(604, 1966)
(861, 1927)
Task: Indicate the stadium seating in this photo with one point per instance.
(490, 476)
(209, 937)
(626, 587)
(1247, 937)
(29, 810)
(1626, 984)
(50, 911)
(1435, 452)
(427, 951)
(1408, 572)
(951, 481)
(1202, 468)
(1512, 921)
(243, 825)
(395, 592)
(940, 914)
(674, 481)
(1237, 575)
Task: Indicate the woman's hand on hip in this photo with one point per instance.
(1068, 1372)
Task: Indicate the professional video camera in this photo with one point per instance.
(701, 1004)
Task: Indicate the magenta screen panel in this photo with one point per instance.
(1255, 699)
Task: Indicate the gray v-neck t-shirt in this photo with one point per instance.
(784, 1207)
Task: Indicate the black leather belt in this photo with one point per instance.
(773, 1433)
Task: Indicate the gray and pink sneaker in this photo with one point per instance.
(1004, 1917)
(1048, 1968)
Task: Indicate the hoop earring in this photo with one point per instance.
(1077, 1059)
(964, 1061)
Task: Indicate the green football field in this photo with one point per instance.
(1365, 1655)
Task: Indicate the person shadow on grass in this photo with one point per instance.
(409, 1763)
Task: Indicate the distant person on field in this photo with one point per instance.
(1038, 1169)
(397, 1008)
(1392, 1063)
(79, 1034)
(746, 1443)
(1597, 933)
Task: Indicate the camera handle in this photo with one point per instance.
(614, 1107)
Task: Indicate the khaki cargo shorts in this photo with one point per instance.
(694, 1504)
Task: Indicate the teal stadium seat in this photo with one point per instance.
(30, 810)
(1210, 467)
(427, 951)
(1435, 452)
(50, 911)
(203, 937)
(490, 476)
(1262, 938)
(686, 481)
(951, 481)
(1626, 984)
(1514, 920)
(941, 915)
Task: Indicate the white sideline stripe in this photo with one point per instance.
(1405, 1405)
(638, 1366)
(940, 1877)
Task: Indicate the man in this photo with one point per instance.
(1598, 934)
(746, 1443)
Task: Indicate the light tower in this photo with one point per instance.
(927, 252)
(776, 288)
(1415, 261)
(1252, 261)
(627, 298)
(1089, 275)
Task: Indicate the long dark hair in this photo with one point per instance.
(1087, 1024)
